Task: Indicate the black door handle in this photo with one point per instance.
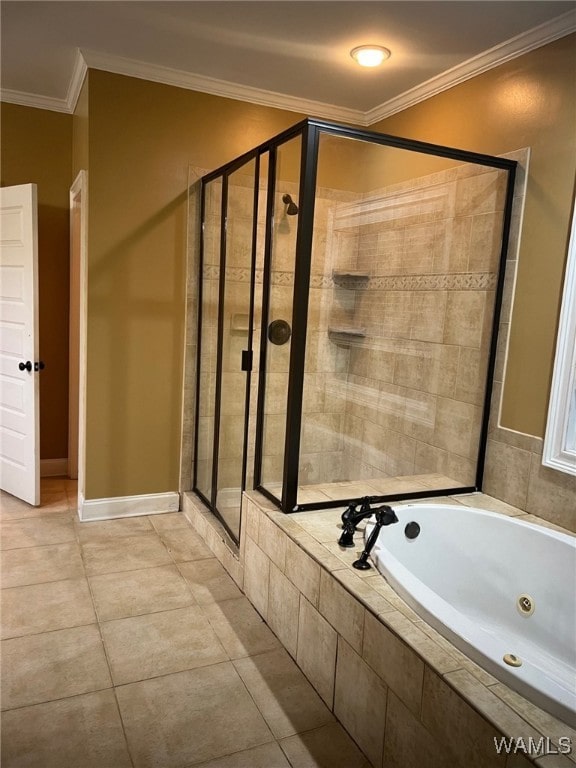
(27, 366)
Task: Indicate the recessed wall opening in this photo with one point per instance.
(347, 337)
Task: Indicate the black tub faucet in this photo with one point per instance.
(384, 516)
(352, 516)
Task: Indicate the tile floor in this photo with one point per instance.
(125, 643)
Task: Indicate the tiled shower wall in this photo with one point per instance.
(322, 406)
(327, 364)
(422, 259)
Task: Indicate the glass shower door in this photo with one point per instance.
(229, 242)
(400, 321)
(235, 345)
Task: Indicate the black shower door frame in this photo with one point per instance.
(310, 131)
(223, 173)
(246, 363)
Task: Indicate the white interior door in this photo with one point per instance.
(19, 389)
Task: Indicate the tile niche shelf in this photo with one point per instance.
(350, 278)
(346, 334)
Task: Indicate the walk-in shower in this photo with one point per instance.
(350, 290)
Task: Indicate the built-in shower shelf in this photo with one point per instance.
(346, 334)
(239, 323)
(350, 278)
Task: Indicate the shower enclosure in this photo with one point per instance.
(350, 291)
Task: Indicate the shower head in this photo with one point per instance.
(292, 209)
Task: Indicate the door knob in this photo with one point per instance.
(27, 366)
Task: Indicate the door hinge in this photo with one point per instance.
(246, 360)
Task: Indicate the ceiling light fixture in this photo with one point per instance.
(370, 55)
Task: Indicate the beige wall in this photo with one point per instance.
(36, 147)
(142, 138)
(529, 102)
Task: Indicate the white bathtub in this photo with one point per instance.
(465, 573)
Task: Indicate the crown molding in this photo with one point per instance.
(215, 87)
(24, 99)
(76, 81)
(67, 105)
(490, 59)
(494, 57)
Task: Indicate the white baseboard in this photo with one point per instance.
(128, 506)
(53, 467)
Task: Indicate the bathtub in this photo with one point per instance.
(496, 587)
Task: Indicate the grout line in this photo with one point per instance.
(131, 570)
(33, 546)
(48, 631)
(249, 692)
(40, 583)
(41, 546)
(59, 698)
(386, 719)
(7, 517)
(147, 613)
(169, 674)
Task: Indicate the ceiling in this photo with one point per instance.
(293, 55)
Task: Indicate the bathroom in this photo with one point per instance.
(146, 146)
(404, 322)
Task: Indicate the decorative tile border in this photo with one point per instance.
(466, 281)
(469, 281)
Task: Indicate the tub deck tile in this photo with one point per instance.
(394, 662)
(364, 592)
(432, 653)
(484, 701)
(466, 736)
(542, 721)
(463, 661)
